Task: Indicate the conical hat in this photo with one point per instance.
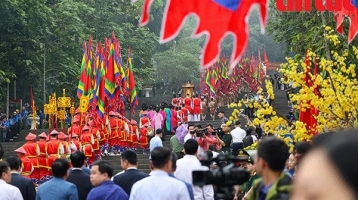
(111, 113)
(90, 123)
(54, 132)
(74, 135)
(30, 137)
(20, 150)
(62, 135)
(85, 128)
(43, 135)
(133, 122)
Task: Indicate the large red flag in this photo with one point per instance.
(266, 60)
(307, 114)
(351, 12)
(217, 18)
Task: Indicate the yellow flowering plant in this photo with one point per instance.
(333, 92)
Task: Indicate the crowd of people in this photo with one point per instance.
(10, 127)
(275, 173)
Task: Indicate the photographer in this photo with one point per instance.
(191, 133)
(187, 165)
(226, 139)
(207, 138)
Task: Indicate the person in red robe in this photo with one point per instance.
(26, 165)
(185, 113)
(54, 150)
(125, 133)
(62, 137)
(143, 137)
(96, 136)
(188, 104)
(144, 119)
(32, 152)
(75, 128)
(113, 137)
(87, 142)
(75, 143)
(44, 171)
(133, 135)
(196, 108)
(175, 101)
(173, 118)
(104, 133)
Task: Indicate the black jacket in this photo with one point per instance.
(25, 185)
(82, 181)
(127, 179)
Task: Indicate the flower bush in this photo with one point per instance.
(333, 91)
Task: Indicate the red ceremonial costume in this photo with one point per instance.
(188, 104)
(96, 136)
(62, 137)
(26, 166)
(87, 142)
(133, 135)
(175, 102)
(32, 151)
(75, 128)
(44, 171)
(115, 130)
(196, 105)
(26, 162)
(76, 142)
(185, 113)
(144, 120)
(143, 138)
(53, 151)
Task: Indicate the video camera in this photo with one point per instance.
(204, 131)
(225, 176)
(199, 132)
(219, 131)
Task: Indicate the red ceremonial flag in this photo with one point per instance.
(266, 60)
(307, 114)
(217, 18)
(351, 12)
(133, 98)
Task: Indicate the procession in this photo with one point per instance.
(179, 99)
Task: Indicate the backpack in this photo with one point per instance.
(247, 141)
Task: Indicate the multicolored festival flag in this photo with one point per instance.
(133, 98)
(217, 18)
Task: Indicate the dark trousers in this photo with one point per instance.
(236, 147)
(18, 128)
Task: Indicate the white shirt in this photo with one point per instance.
(159, 186)
(185, 168)
(188, 136)
(156, 141)
(9, 192)
(238, 134)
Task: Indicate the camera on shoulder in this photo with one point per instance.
(226, 175)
